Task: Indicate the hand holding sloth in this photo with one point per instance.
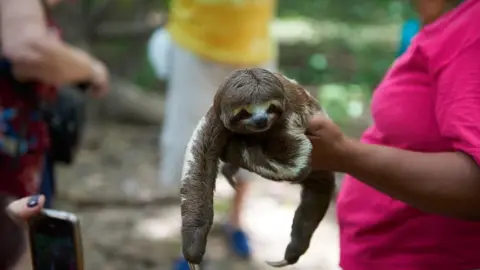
(258, 121)
(331, 148)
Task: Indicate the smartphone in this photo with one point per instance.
(55, 241)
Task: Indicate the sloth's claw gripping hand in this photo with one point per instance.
(198, 184)
(317, 191)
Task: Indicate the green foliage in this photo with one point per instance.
(336, 61)
(344, 101)
(345, 58)
(367, 11)
(145, 75)
(373, 61)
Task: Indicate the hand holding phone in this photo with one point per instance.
(55, 241)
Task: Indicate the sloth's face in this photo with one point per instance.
(254, 118)
(251, 101)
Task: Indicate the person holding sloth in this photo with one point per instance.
(410, 199)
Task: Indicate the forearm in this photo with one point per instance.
(55, 63)
(81, 68)
(62, 64)
(35, 53)
(443, 183)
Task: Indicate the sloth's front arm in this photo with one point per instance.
(198, 184)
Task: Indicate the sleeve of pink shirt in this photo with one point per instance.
(457, 103)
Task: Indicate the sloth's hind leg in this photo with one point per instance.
(317, 191)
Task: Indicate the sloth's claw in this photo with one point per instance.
(193, 266)
(232, 183)
(228, 173)
(279, 264)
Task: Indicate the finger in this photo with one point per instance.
(27, 207)
(105, 89)
(316, 124)
(100, 90)
(96, 92)
(313, 137)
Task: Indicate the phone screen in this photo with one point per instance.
(53, 244)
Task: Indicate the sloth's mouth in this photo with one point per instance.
(261, 127)
(258, 130)
(261, 122)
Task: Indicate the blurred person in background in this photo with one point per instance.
(409, 29)
(64, 118)
(34, 63)
(209, 39)
(410, 199)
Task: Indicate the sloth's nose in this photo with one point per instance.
(260, 121)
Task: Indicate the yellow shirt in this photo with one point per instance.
(228, 31)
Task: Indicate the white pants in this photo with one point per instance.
(192, 85)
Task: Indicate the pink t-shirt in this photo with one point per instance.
(429, 101)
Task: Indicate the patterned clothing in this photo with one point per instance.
(23, 133)
(23, 138)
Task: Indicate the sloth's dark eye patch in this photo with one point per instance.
(274, 109)
(242, 115)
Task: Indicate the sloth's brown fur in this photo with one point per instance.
(278, 153)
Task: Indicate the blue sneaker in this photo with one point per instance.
(181, 264)
(238, 241)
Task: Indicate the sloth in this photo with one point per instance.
(258, 121)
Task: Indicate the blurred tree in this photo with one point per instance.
(367, 11)
(117, 31)
(350, 58)
(354, 41)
